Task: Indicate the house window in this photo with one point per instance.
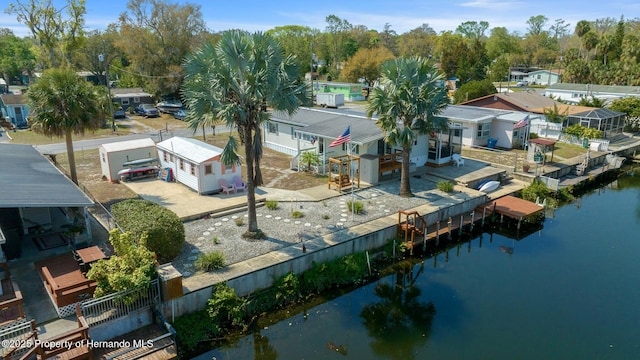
(136, 100)
(457, 132)
(193, 169)
(170, 157)
(181, 164)
(293, 133)
(208, 169)
(484, 130)
(356, 149)
(228, 168)
(125, 101)
(273, 128)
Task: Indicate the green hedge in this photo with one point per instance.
(163, 227)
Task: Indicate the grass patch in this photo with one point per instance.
(296, 214)
(210, 261)
(357, 206)
(271, 204)
(567, 151)
(239, 222)
(445, 186)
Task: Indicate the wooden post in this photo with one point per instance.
(437, 232)
(484, 214)
(449, 222)
(473, 219)
(461, 224)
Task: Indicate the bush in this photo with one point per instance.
(445, 186)
(271, 204)
(358, 206)
(537, 190)
(164, 229)
(297, 214)
(239, 222)
(210, 261)
(225, 307)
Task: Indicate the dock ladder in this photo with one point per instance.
(410, 224)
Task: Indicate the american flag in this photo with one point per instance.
(343, 138)
(522, 123)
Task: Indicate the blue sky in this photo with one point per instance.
(402, 15)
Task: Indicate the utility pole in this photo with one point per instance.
(103, 58)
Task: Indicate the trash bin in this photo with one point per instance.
(491, 143)
(585, 143)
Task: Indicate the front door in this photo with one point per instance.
(18, 114)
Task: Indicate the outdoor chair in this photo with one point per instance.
(457, 159)
(226, 187)
(238, 184)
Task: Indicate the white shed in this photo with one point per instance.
(196, 164)
(114, 155)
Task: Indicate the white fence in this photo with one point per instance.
(546, 129)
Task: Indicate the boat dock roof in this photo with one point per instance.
(513, 207)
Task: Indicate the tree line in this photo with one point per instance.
(148, 43)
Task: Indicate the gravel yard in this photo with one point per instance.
(319, 218)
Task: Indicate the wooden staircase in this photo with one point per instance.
(582, 167)
(410, 224)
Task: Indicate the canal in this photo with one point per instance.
(566, 291)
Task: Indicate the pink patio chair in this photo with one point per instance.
(238, 183)
(226, 187)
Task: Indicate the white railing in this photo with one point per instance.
(14, 333)
(112, 306)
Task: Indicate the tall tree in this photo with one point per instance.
(234, 82)
(59, 37)
(62, 104)
(16, 55)
(473, 29)
(408, 98)
(420, 41)
(536, 24)
(365, 64)
(156, 36)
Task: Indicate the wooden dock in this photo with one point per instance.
(413, 233)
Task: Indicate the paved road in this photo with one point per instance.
(80, 145)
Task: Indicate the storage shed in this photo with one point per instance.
(114, 155)
(196, 164)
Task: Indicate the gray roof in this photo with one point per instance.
(598, 113)
(609, 89)
(471, 113)
(28, 179)
(330, 124)
(190, 149)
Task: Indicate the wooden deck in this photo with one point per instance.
(161, 346)
(512, 207)
(64, 280)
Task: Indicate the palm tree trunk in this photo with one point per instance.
(71, 156)
(252, 221)
(405, 185)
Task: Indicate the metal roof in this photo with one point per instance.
(472, 113)
(190, 149)
(128, 145)
(13, 99)
(28, 179)
(330, 124)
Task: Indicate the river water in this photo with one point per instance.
(569, 290)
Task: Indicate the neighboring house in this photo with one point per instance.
(15, 109)
(351, 91)
(130, 97)
(38, 202)
(196, 164)
(544, 77)
(575, 92)
(475, 126)
(114, 155)
(314, 129)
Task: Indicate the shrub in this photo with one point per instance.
(445, 186)
(271, 204)
(326, 217)
(537, 190)
(225, 307)
(132, 266)
(239, 221)
(357, 206)
(216, 240)
(164, 229)
(210, 261)
(297, 214)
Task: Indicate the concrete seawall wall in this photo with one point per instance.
(260, 272)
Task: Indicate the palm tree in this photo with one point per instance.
(63, 104)
(409, 96)
(233, 82)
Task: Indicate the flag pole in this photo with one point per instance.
(353, 203)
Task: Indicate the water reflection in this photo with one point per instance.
(399, 323)
(262, 349)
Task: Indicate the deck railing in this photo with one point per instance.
(113, 306)
(15, 335)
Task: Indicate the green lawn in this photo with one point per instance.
(568, 151)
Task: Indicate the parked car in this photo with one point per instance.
(147, 110)
(180, 114)
(119, 114)
(522, 83)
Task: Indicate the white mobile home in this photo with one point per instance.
(196, 164)
(114, 155)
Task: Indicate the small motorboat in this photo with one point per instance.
(489, 186)
(137, 172)
(169, 106)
